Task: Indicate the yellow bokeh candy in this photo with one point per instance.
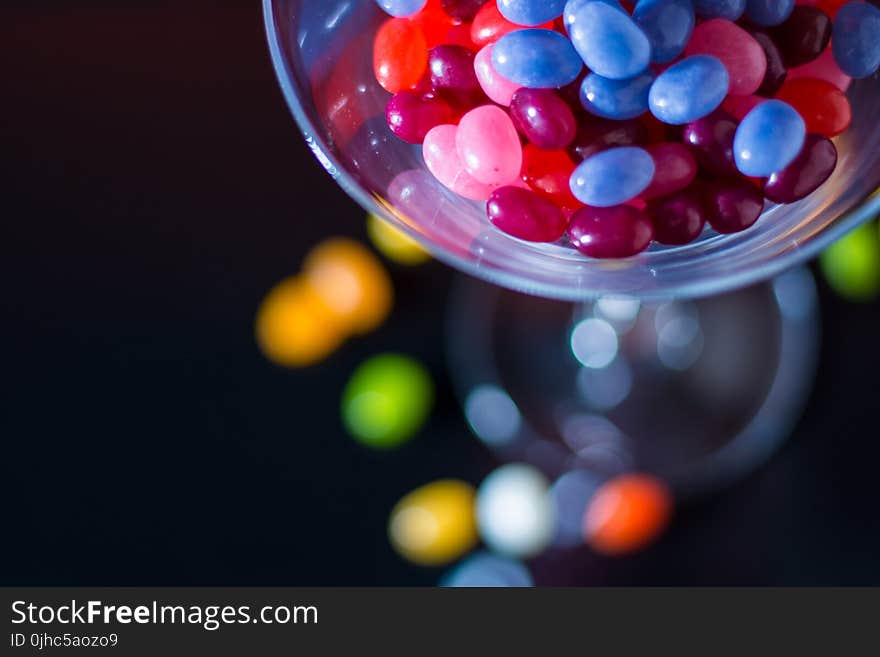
(394, 244)
(351, 282)
(435, 524)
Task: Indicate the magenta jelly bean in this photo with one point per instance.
(824, 67)
(496, 86)
(806, 174)
(675, 169)
(679, 218)
(543, 118)
(741, 55)
(777, 71)
(712, 140)
(489, 146)
(525, 214)
(595, 135)
(732, 205)
(616, 232)
(454, 77)
(463, 10)
(739, 106)
(411, 115)
(441, 157)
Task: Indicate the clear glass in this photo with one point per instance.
(322, 49)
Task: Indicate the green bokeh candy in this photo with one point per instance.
(852, 264)
(387, 400)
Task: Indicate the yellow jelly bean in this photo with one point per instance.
(394, 244)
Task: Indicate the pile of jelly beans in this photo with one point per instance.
(621, 125)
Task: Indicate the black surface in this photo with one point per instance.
(154, 188)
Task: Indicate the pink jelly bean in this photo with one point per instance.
(489, 146)
(742, 56)
(739, 106)
(824, 67)
(442, 160)
(675, 169)
(496, 86)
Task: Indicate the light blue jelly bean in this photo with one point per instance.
(612, 177)
(769, 12)
(616, 99)
(668, 25)
(530, 12)
(538, 59)
(732, 10)
(402, 8)
(856, 39)
(608, 40)
(768, 139)
(572, 7)
(689, 90)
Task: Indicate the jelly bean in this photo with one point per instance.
(411, 115)
(830, 7)
(732, 205)
(855, 39)
(675, 169)
(804, 36)
(616, 99)
(463, 10)
(454, 76)
(617, 232)
(613, 176)
(599, 135)
(525, 214)
(549, 173)
(608, 40)
(769, 138)
(825, 68)
(401, 8)
(731, 10)
(529, 12)
(573, 8)
(741, 55)
(678, 218)
(543, 118)
(442, 159)
(400, 55)
(434, 23)
(536, 58)
(496, 86)
(711, 139)
(460, 35)
(668, 25)
(490, 25)
(739, 106)
(689, 90)
(768, 12)
(824, 108)
(776, 68)
(806, 174)
(489, 145)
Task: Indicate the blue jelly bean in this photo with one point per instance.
(531, 12)
(539, 59)
(732, 10)
(608, 40)
(616, 99)
(856, 39)
(573, 7)
(689, 90)
(402, 8)
(768, 139)
(769, 12)
(668, 25)
(612, 177)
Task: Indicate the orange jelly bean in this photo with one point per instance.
(400, 54)
(824, 108)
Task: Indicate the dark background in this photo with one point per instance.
(154, 188)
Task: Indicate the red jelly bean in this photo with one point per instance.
(616, 232)
(411, 115)
(525, 214)
(675, 169)
(739, 106)
(712, 140)
(490, 25)
(463, 10)
(549, 174)
(543, 118)
(595, 135)
(400, 54)
(803, 36)
(454, 77)
(806, 174)
(679, 218)
(732, 205)
(434, 22)
(824, 107)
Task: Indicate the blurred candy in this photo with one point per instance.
(411, 115)
(514, 511)
(394, 244)
(618, 232)
(679, 218)
(627, 514)
(852, 264)
(400, 54)
(806, 174)
(613, 176)
(804, 36)
(768, 139)
(571, 494)
(435, 524)
(768, 12)
(732, 205)
(489, 146)
(608, 40)
(387, 400)
(536, 58)
(525, 214)
(543, 118)
(855, 39)
(401, 8)
(742, 56)
(352, 282)
(530, 12)
(689, 90)
(484, 570)
(668, 25)
(825, 108)
(441, 157)
(711, 139)
(675, 168)
(616, 99)
(495, 85)
(490, 25)
(732, 10)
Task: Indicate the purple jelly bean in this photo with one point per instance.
(543, 118)
(679, 218)
(712, 140)
(803, 36)
(454, 77)
(595, 135)
(777, 71)
(411, 115)
(675, 169)
(526, 215)
(732, 205)
(616, 232)
(806, 174)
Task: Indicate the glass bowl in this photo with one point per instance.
(322, 53)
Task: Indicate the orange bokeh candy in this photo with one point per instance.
(627, 513)
(824, 108)
(400, 54)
